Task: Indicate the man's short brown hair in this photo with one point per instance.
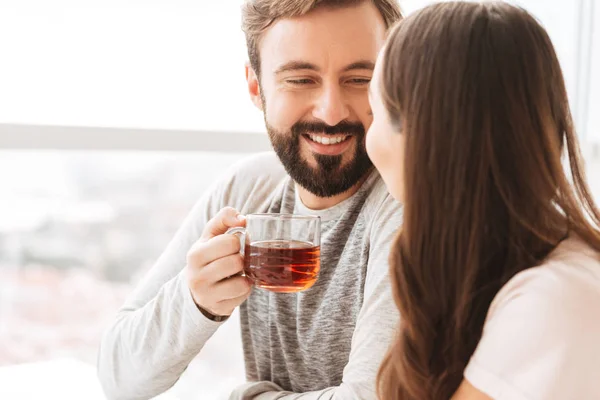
(258, 15)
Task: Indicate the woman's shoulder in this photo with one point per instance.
(568, 277)
(541, 335)
(556, 301)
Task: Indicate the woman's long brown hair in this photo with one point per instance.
(478, 91)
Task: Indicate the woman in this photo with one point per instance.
(496, 270)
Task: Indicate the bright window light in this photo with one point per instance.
(176, 64)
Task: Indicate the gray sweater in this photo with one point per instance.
(324, 343)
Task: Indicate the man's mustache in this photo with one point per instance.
(344, 127)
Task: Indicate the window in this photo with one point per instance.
(77, 231)
(131, 64)
(114, 117)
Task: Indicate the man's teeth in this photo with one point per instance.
(327, 139)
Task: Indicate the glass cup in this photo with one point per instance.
(281, 251)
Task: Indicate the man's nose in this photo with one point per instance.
(331, 106)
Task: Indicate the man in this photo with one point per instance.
(310, 65)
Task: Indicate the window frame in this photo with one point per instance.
(37, 137)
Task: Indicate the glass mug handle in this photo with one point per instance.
(241, 234)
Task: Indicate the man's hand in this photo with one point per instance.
(214, 265)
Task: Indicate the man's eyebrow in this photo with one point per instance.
(303, 65)
(296, 65)
(364, 64)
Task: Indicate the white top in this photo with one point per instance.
(541, 338)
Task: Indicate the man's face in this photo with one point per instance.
(315, 71)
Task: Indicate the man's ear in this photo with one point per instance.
(253, 86)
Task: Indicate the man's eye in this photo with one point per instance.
(300, 82)
(359, 81)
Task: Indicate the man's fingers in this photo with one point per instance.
(222, 268)
(214, 265)
(231, 304)
(203, 253)
(232, 288)
(226, 218)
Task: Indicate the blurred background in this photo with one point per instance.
(115, 117)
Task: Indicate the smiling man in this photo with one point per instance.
(311, 62)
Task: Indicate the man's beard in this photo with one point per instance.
(329, 177)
